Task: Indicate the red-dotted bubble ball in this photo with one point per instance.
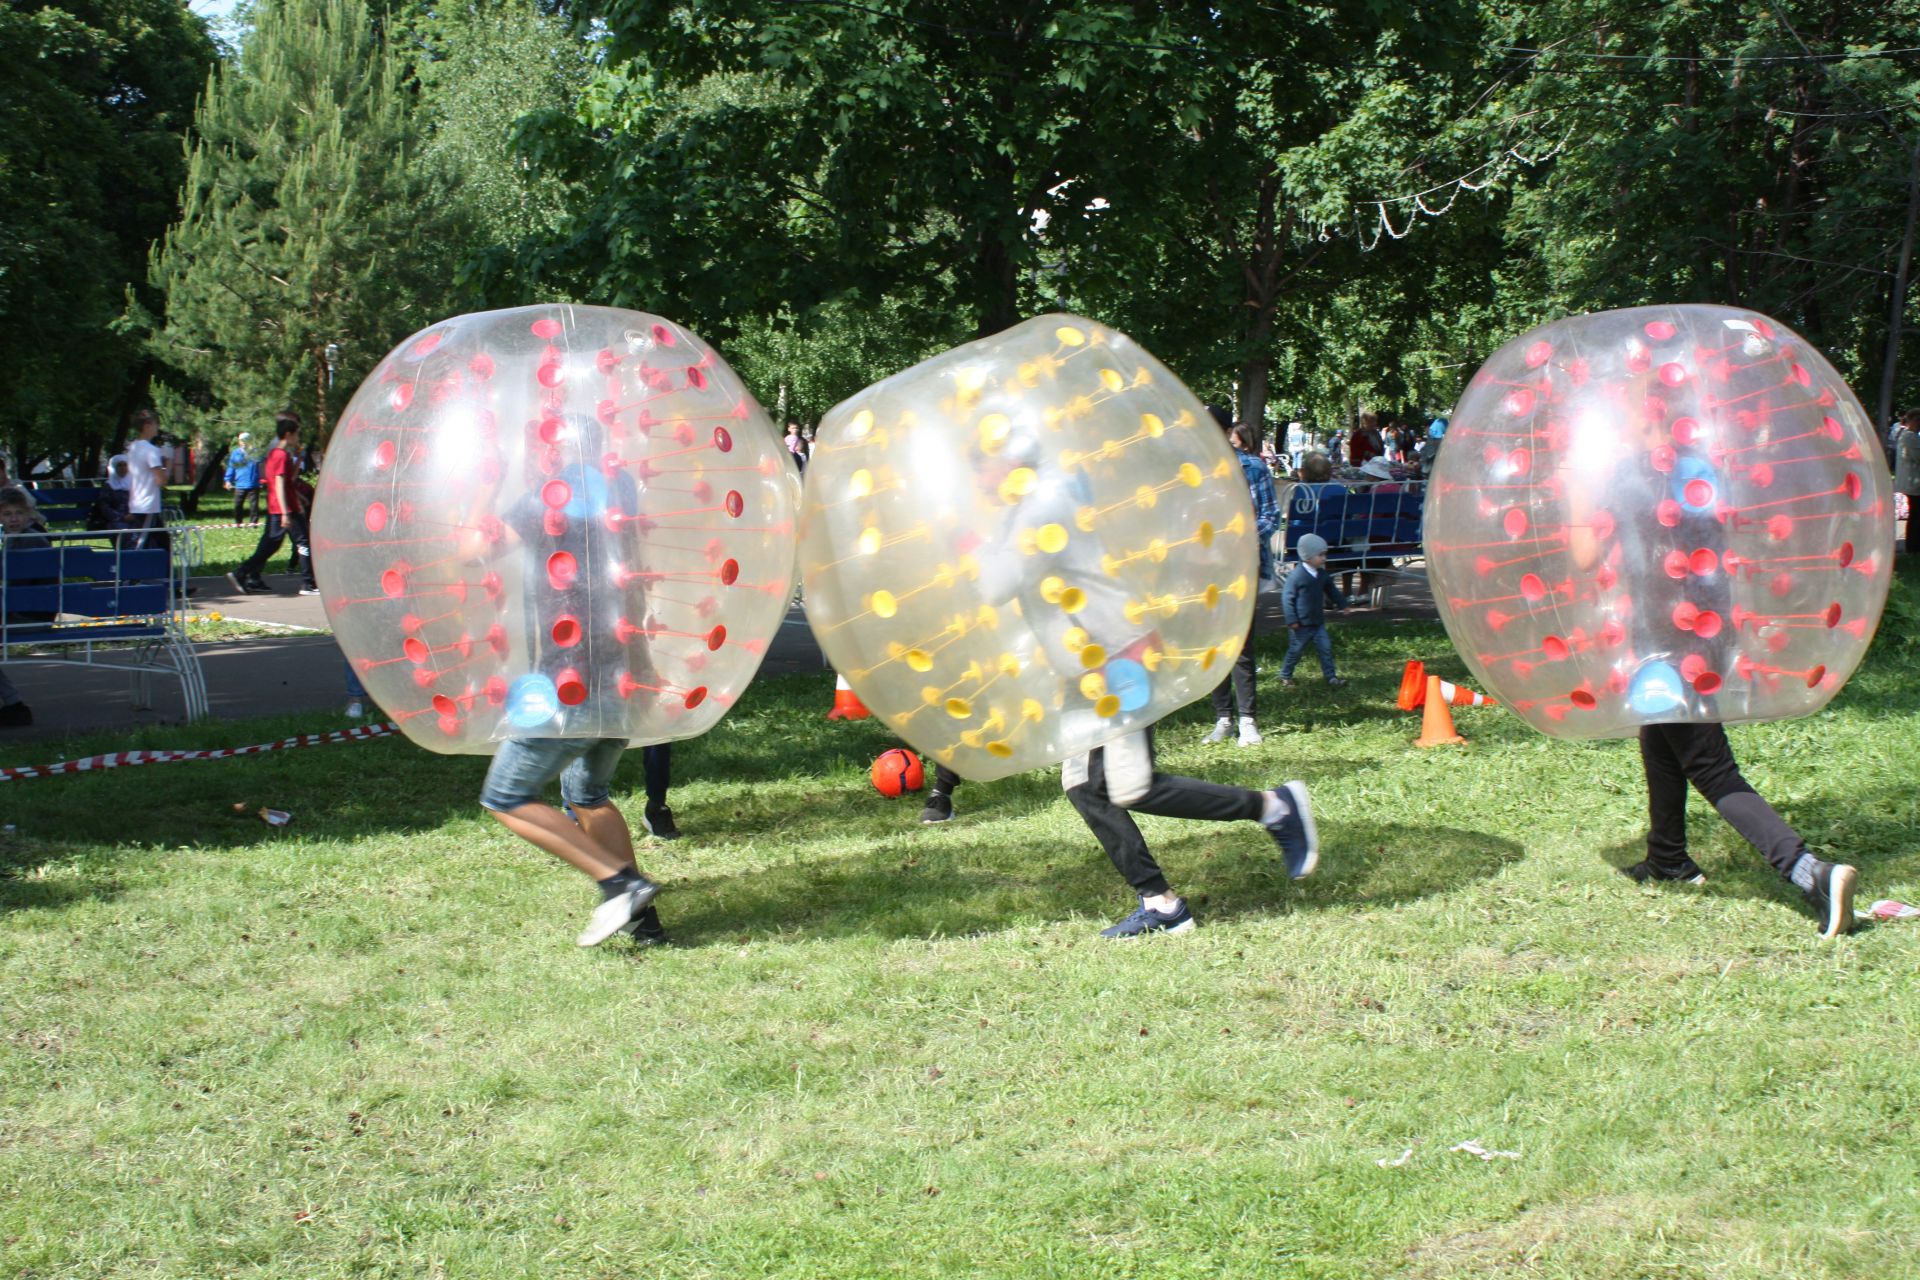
(554, 522)
(1703, 532)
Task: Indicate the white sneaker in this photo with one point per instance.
(616, 913)
(356, 709)
(1249, 735)
(1221, 729)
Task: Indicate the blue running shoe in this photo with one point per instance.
(1147, 920)
(1295, 833)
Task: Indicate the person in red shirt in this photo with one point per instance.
(286, 512)
(1366, 443)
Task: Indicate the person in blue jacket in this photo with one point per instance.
(1303, 606)
(1238, 687)
(243, 479)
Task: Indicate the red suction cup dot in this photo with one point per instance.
(696, 377)
(1673, 374)
(716, 637)
(1703, 561)
(1659, 330)
(416, 649)
(571, 688)
(545, 327)
(444, 705)
(1584, 699)
(696, 697)
(1532, 587)
(1685, 614)
(1699, 493)
(735, 503)
(1667, 513)
(482, 365)
(566, 631)
(1815, 676)
(1555, 648)
(562, 569)
(1661, 458)
(729, 573)
(1519, 402)
(393, 583)
(1706, 624)
(663, 335)
(1851, 485)
(1845, 554)
(1675, 564)
(384, 454)
(496, 691)
(1707, 682)
(1833, 614)
(1538, 354)
(1514, 522)
(722, 440)
(401, 397)
(1686, 431)
(376, 518)
(556, 493)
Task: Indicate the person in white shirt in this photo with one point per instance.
(146, 482)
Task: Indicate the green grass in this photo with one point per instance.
(365, 1046)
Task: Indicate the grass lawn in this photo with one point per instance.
(364, 1045)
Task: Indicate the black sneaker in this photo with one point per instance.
(309, 591)
(16, 715)
(939, 809)
(1335, 682)
(645, 929)
(1832, 897)
(1298, 838)
(233, 580)
(1147, 920)
(659, 823)
(1646, 871)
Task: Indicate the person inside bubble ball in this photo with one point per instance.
(1111, 782)
(592, 834)
(1694, 749)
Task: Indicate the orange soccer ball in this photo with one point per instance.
(896, 772)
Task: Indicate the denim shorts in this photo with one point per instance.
(523, 767)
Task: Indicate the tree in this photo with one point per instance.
(93, 106)
(308, 223)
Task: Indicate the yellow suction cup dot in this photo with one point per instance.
(1084, 518)
(1210, 657)
(994, 429)
(1152, 426)
(1145, 498)
(1009, 664)
(1093, 656)
(1107, 708)
(860, 484)
(1142, 376)
(1075, 639)
(1205, 533)
(999, 749)
(1029, 374)
(895, 648)
(1070, 336)
(1152, 659)
(1190, 475)
(1093, 684)
(1111, 380)
(920, 660)
(930, 694)
(1050, 588)
(1052, 538)
(988, 616)
(959, 708)
(1018, 484)
(861, 424)
(1237, 525)
(1239, 587)
(1073, 600)
(1157, 550)
(1032, 712)
(869, 542)
(1222, 468)
(883, 603)
(1135, 611)
(1211, 595)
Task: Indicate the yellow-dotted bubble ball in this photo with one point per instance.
(1015, 551)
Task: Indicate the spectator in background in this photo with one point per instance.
(1429, 449)
(243, 479)
(146, 483)
(1238, 687)
(1367, 443)
(281, 472)
(24, 531)
(796, 445)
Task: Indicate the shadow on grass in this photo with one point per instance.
(943, 883)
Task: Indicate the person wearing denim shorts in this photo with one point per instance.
(596, 840)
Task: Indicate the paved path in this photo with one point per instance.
(301, 671)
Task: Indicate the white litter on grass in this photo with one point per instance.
(1889, 909)
(1405, 1156)
(1475, 1149)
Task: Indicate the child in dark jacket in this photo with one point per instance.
(1303, 606)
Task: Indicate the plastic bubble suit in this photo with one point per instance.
(1663, 514)
(554, 522)
(1027, 546)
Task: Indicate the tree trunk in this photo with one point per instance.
(1897, 310)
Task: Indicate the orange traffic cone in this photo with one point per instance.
(1413, 686)
(1436, 725)
(846, 703)
(1413, 690)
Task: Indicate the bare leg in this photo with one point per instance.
(607, 827)
(545, 827)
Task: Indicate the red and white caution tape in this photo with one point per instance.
(127, 759)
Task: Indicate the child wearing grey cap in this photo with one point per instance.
(1303, 605)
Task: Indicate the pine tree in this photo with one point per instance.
(307, 221)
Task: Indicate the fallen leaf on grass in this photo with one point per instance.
(1405, 1156)
(1475, 1149)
